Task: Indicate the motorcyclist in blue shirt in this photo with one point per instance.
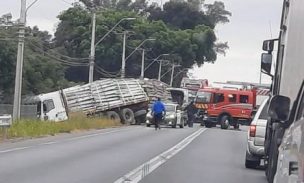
(158, 111)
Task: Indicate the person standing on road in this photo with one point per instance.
(158, 111)
(191, 110)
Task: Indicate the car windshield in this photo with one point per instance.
(203, 97)
(170, 108)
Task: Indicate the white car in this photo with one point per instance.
(256, 137)
(174, 117)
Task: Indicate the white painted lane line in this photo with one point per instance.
(15, 149)
(145, 169)
(65, 140)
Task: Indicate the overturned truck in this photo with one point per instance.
(123, 100)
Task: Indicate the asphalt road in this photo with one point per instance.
(104, 156)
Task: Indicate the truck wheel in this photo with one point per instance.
(127, 116)
(112, 115)
(148, 125)
(236, 126)
(140, 119)
(251, 164)
(225, 122)
(208, 124)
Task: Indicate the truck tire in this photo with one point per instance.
(273, 157)
(236, 126)
(140, 116)
(127, 116)
(208, 124)
(251, 164)
(112, 115)
(225, 122)
(140, 119)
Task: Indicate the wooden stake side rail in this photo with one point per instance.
(105, 94)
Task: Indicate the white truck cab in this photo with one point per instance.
(50, 107)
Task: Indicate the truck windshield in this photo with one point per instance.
(203, 97)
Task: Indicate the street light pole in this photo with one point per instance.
(123, 59)
(142, 64)
(159, 70)
(154, 60)
(93, 44)
(92, 54)
(19, 64)
(150, 39)
(172, 73)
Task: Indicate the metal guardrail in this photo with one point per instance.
(5, 123)
(5, 120)
(27, 111)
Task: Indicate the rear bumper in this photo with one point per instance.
(254, 149)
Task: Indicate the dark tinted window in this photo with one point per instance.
(48, 105)
(244, 99)
(219, 97)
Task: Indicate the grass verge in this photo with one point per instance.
(35, 128)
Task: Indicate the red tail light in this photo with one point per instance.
(252, 130)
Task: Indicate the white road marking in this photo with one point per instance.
(145, 169)
(15, 149)
(64, 140)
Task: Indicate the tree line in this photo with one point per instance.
(184, 29)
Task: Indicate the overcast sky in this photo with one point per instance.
(252, 22)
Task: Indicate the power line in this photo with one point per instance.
(65, 62)
(55, 54)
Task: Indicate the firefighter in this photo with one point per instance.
(191, 110)
(158, 112)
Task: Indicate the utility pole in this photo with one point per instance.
(159, 70)
(19, 64)
(142, 64)
(123, 59)
(172, 73)
(92, 54)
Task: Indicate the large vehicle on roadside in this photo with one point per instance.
(284, 132)
(122, 100)
(226, 107)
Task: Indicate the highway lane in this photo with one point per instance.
(95, 157)
(214, 157)
(104, 156)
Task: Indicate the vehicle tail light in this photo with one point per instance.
(252, 130)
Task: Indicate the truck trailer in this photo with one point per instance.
(284, 132)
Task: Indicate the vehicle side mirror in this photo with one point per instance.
(266, 63)
(268, 45)
(279, 108)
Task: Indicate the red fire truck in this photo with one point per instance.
(225, 106)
